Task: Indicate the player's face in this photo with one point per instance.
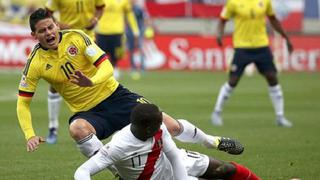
(46, 32)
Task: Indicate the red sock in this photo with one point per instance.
(243, 173)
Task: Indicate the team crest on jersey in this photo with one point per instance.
(23, 82)
(72, 50)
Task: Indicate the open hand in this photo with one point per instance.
(34, 142)
(80, 79)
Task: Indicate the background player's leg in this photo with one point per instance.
(54, 103)
(224, 94)
(276, 96)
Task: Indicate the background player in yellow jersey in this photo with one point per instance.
(111, 29)
(74, 14)
(251, 44)
(82, 74)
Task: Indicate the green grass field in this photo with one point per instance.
(272, 152)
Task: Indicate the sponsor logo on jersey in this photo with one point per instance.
(72, 50)
(48, 66)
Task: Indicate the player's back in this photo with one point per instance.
(136, 158)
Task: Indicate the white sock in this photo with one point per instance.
(54, 103)
(190, 133)
(276, 96)
(89, 145)
(224, 94)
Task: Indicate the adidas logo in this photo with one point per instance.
(48, 66)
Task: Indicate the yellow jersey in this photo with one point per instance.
(76, 51)
(249, 21)
(75, 13)
(113, 18)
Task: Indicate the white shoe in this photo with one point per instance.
(216, 119)
(283, 122)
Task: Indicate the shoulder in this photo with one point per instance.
(77, 34)
(32, 58)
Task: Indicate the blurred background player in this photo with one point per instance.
(111, 29)
(135, 45)
(73, 14)
(144, 149)
(251, 44)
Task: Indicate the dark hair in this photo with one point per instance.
(145, 114)
(38, 15)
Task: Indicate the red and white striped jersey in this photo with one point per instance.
(136, 159)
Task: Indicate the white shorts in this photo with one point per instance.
(195, 163)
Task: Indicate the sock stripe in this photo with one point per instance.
(85, 139)
(195, 133)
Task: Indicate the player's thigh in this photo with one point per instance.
(101, 127)
(240, 60)
(195, 163)
(264, 61)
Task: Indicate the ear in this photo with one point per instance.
(33, 34)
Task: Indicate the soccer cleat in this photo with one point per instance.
(283, 122)
(52, 137)
(216, 119)
(230, 146)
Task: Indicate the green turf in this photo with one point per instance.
(272, 152)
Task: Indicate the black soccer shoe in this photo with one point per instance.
(230, 146)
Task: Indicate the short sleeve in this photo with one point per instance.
(269, 11)
(228, 10)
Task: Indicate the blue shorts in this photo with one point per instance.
(261, 57)
(113, 113)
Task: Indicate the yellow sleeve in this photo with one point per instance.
(269, 10)
(24, 116)
(131, 19)
(228, 10)
(52, 5)
(99, 3)
(105, 71)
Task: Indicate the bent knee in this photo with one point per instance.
(80, 128)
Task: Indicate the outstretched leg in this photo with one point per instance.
(184, 131)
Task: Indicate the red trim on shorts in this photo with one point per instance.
(152, 157)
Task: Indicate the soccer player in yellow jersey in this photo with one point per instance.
(81, 72)
(251, 44)
(74, 14)
(111, 28)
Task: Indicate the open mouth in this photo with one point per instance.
(51, 40)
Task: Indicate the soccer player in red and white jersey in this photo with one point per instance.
(144, 150)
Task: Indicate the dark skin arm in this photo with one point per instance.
(94, 20)
(220, 31)
(277, 27)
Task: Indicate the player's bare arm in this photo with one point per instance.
(277, 26)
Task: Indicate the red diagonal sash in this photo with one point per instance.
(152, 157)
